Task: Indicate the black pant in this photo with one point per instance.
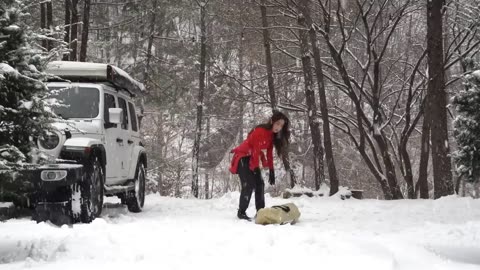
(250, 181)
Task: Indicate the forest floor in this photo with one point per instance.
(174, 233)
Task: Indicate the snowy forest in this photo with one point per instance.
(369, 86)
(133, 132)
(353, 76)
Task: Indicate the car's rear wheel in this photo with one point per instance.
(135, 199)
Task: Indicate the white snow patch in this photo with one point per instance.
(76, 204)
(6, 68)
(60, 166)
(26, 104)
(12, 28)
(6, 204)
(205, 234)
(476, 74)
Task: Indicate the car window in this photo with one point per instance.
(109, 103)
(123, 106)
(75, 102)
(133, 116)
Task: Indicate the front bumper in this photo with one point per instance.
(58, 190)
(66, 175)
(26, 188)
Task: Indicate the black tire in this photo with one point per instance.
(135, 199)
(90, 192)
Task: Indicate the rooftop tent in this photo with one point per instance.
(95, 72)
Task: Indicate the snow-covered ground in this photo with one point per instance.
(197, 234)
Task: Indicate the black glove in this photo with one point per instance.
(271, 177)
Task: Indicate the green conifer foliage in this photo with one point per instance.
(467, 128)
(23, 115)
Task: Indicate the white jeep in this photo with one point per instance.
(95, 146)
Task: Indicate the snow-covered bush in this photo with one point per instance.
(22, 113)
(467, 128)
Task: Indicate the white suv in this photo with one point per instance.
(95, 147)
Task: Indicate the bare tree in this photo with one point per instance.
(332, 171)
(313, 120)
(366, 88)
(271, 86)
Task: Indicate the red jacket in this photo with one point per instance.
(259, 139)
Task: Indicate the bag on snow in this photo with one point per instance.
(278, 214)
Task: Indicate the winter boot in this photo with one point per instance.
(243, 215)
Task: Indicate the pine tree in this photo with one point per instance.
(467, 128)
(23, 115)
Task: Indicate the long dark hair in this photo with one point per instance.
(282, 138)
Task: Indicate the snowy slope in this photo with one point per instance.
(185, 233)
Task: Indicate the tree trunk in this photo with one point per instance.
(212, 184)
(332, 171)
(49, 23)
(207, 184)
(241, 74)
(159, 145)
(271, 87)
(424, 156)
(201, 90)
(310, 99)
(85, 26)
(268, 55)
(74, 30)
(43, 22)
(288, 168)
(150, 41)
(67, 26)
(387, 192)
(437, 101)
(378, 134)
(408, 174)
(405, 135)
(389, 167)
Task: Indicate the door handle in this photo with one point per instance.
(130, 141)
(119, 140)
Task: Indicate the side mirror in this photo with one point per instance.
(115, 115)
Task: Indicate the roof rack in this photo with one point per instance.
(94, 72)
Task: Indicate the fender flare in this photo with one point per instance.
(142, 157)
(79, 148)
(99, 149)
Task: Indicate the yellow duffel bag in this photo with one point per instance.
(278, 214)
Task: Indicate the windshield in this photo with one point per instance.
(76, 102)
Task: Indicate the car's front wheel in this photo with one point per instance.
(87, 195)
(135, 199)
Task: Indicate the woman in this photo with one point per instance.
(247, 157)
